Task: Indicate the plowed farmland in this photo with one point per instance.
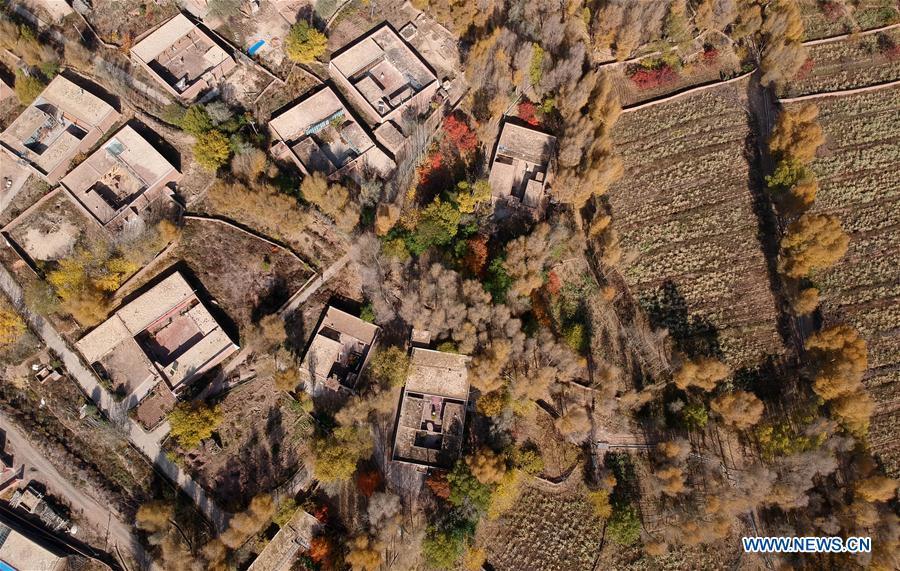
(685, 213)
(849, 63)
(857, 170)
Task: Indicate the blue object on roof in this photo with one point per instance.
(4, 566)
(255, 47)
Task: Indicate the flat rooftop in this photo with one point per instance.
(52, 129)
(321, 132)
(165, 333)
(21, 553)
(432, 413)
(117, 173)
(384, 69)
(180, 52)
(338, 351)
(520, 165)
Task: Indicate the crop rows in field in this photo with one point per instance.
(548, 531)
(684, 211)
(848, 64)
(819, 22)
(857, 170)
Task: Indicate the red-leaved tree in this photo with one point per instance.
(460, 134)
(528, 112)
(645, 78)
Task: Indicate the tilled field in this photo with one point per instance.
(849, 64)
(684, 211)
(857, 170)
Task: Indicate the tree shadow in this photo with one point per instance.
(693, 335)
(273, 298)
(259, 466)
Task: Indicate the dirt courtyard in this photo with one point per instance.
(260, 444)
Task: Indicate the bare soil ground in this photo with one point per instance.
(858, 181)
(685, 214)
(262, 444)
(558, 454)
(120, 21)
(246, 276)
(54, 229)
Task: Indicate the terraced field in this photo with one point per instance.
(857, 170)
(684, 210)
(849, 63)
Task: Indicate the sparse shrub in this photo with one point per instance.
(11, 327)
(27, 87)
(624, 527)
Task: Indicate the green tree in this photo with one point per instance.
(695, 416)
(624, 527)
(437, 226)
(212, 150)
(192, 422)
(27, 87)
(389, 366)
(536, 66)
(286, 511)
(466, 490)
(304, 44)
(196, 120)
(497, 280)
(442, 548)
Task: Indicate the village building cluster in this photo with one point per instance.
(352, 128)
(109, 168)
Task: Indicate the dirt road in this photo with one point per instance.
(104, 521)
(147, 442)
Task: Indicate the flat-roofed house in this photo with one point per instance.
(23, 549)
(432, 414)
(384, 77)
(166, 333)
(122, 179)
(319, 134)
(338, 351)
(64, 120)
(521, 168)
(183, 57)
